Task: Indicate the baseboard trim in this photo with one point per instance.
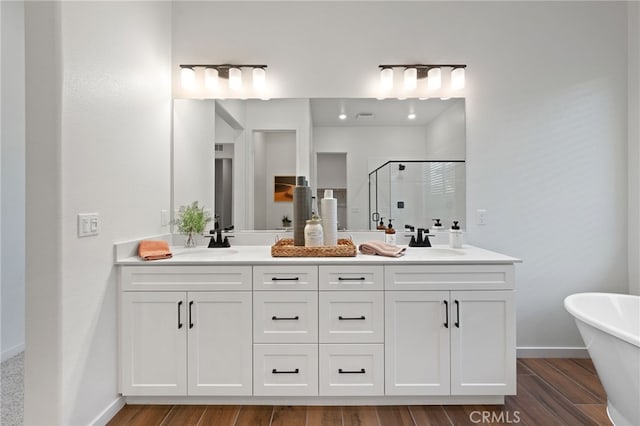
(552, 352)
(11, 352)
(107, 414)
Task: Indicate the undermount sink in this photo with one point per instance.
(203, 252)
(441, 252)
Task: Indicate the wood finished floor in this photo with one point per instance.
(550, 392)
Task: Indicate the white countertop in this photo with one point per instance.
(261, 255)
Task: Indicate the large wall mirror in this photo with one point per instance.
(238, 158)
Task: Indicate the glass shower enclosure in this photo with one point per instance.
(416, 192)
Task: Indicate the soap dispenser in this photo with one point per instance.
(381, 226)
(455, 235)
(390, 234)
(437, 226)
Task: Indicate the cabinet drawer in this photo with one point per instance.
(185, 278)
(351, 317)
(351, 370)
(285, 317)
(351, 277)
(285, 277)
(449, 277)
(284, 370)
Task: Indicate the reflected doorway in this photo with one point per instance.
(224, 185)
(331, 173)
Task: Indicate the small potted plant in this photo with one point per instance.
(191, 221)
(286, 222)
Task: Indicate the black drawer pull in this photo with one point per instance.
(361, 371)
(275, 318)
(274, 371)
(179, 320)
(341, 318)
(457, 323)
(351, 279)
(190, 321)
(285, 279)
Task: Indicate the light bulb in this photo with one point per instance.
(386, 78)
(235, 78)
(259, 78)
(410, 78)
(188, 77)
(434, 78)
(457, 79)
(211, 78)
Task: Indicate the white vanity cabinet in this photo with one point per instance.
(365, 330)
(459, 342)
(177, 343)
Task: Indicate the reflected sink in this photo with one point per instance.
(203, 252)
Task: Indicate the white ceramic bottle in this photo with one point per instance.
(455, 235)
(329, 213)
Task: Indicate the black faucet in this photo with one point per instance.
(423, 239)
(217, 240)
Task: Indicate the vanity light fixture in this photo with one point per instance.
(188, 77)
(230, 72)
(415, 72)
(386, 78)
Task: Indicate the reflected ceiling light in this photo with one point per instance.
(410, 78)
(412, 73)
(231, 72)
(386, 78)
(188, 77)
(211, 78)
(235, 78)
(434, 78)
(259, 78)
(457, 79)
(411, 116)
(342, 116)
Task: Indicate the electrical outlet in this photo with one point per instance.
(88, 224)
(481, 217)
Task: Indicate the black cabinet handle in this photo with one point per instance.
(275, 318)
(361, 371)
(285, 279)
(179, 320)
(446, 314)
(341, 318)
(351, 279)
(274, 371)
(190, 322)
(457, 323)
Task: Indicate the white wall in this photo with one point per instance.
(194, 132)
(446, 134)
(107, 150)
(13, 178)
(634, 146)
(331, 170)
(546, 116)
(364, 147)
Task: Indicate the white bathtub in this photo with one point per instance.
(610, 327)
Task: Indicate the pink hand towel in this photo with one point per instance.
(154, 250)
(381, 249)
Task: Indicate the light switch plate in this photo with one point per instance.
(481, 217)
(88, 224)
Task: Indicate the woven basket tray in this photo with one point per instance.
(285, 248)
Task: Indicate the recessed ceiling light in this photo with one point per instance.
(342, 116)
(411, 116)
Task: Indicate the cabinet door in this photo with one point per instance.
(219, 326)
(416, 343)
(154, 343)
(483, 348)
